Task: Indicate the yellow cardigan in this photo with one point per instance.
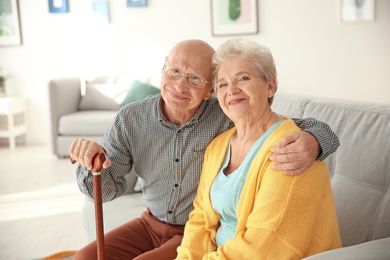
(279, 216)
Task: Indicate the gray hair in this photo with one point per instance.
(259, 55)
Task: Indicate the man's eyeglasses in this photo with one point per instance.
(193, 80)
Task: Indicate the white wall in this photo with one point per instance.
(316, 54)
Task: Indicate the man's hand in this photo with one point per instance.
(83, 151)
(295, 153)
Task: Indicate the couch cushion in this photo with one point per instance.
(85, 123)
(289, 105)
(94, 98)
(374, 250)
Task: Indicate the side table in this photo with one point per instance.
(11, 107)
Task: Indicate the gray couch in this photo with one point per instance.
(69, 120)
(360, 169)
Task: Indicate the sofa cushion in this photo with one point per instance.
(99, 97)
(374, 250)
(139, 90)
(289, 105)
(85, 123)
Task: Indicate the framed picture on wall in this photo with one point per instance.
(58, 6)
(10, 30)
(357, 10)
(101, 9)
(137, 3)
(234, 17)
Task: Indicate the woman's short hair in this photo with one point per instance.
(259, 55)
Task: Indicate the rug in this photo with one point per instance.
(65, 255)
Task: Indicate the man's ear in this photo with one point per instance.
(209, 94)
(162, 69)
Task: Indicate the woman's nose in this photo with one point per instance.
(233, 88)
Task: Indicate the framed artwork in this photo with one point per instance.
(10, 30)
(100, 8)
(58, 6)
(357, 10)
(234, 17)
(137, 3)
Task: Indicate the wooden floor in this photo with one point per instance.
(40, 204)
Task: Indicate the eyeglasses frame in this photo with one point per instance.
(186, 75)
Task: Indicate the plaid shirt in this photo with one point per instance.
(167, 157)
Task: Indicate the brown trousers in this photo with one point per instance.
(142, 238)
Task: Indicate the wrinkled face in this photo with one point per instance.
(241, 91)
(180, 93)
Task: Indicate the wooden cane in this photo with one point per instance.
(97, 163)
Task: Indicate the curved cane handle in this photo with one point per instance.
(97, 162)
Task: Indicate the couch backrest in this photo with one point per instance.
(360, 168)
(64, 97)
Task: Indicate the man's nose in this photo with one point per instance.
(182, 82)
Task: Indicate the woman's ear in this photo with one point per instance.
(271, 87)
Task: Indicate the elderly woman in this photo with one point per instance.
(245, 209)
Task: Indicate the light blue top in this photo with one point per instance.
(226, 190)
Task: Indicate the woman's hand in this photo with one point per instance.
(295, 153)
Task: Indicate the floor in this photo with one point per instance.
(40, 204)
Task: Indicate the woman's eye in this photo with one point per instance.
(222, 85)
(244, 78)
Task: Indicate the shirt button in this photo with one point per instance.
(170, 212)
(177, 159)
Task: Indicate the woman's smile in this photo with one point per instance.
(236, 101)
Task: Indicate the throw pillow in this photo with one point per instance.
(94, 99)
(139, 90)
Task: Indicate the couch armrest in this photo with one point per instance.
(64, 97)
(376, 249)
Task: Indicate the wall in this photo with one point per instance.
(316, 54)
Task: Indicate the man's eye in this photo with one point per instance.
(194, 78)
(175, 71)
